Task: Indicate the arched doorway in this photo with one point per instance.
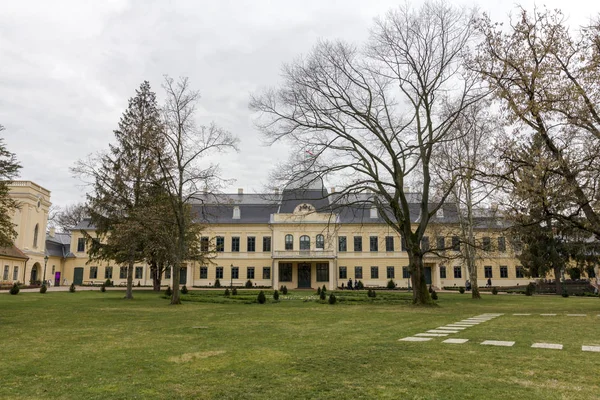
(36, 273)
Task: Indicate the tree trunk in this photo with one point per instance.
(176, 298)
(129, 292)
(557, 283)
(417, 274)
(156, 271)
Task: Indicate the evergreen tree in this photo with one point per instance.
(9, 168)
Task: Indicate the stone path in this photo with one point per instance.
(458, 327)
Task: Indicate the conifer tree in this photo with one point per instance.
(9, 168)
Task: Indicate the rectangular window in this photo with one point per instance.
(235, 272)
(403, 243)
(501, 243)
(441, 242)
(81, 245)
(503, 271)
(108, 273)
(457, 272)
(486, 244)
(123, 273)
(235, 243)
(251, 243)
(203, 272)
(266, 243)
(322, 272)
(519, 272)
(342, 244)
(5, 275)
(168, 273)
(374, 272)
(16, 273)
(357, 243)
(373, 243)
(390, 273)
(455, 243)
(442, 272)
(139, 272)
(250, 273)
(343, 273)
(266, 272)
(285, 272)
(204, 244)
(425, 243)
(220, 244)
(405, 273)
(389, 243)
(219, 273)
(357, 272)
(488, 271)
(289, 242)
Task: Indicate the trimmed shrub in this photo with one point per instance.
(261, 298)
(461, 290)
(15, 289)
(391, 284)
(371, 293)
(494, 290)
(360, 285)
(323, 289)
(275, 295)
(332, 298)
(430, 289)
(529, 289)
(434, 295)
(227, 292)
(284, 290)
(565, 293)
(108, 283)
(234, 292)
(323, 295)
(43, 289)
(169, 292)
(184, 290)
(318, 291)
(139, 284)
(217, 283)
(103, 288)
(249, 284)
(72, 288)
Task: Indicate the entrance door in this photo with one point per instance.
(78, 276)
(183, 276)
(428, 275)
(304, 275)
(34, 275)
(57, 279)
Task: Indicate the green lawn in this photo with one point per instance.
(90, 345)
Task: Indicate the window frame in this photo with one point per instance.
(342, 243)
(204, 272)
(390, 272)
(374, 272)
(139, 275)
(322, 274)
(320, 242)
(266, 273)
(251, 244)
(250, 273)
(220, 244)
(266, 243)
(219, 272)
(235, 272)
(389, 243)
(442, 272)
(405, 273)
(289, 242)
(504, 271)
(108, 272)
(343, 272)
(304, 243)
(358, 272)
(204, 244)
(358, 244)
(235, 244)
(488, 271)
(374, 243)
(286, 272)
(80, 245)
(457, 272)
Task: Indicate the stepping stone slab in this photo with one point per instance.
(576, 315)
(432, 334)
(547, 346)
(547, 315)
(452, 328)
(497, 343)
(595, 349)
(456, 341)
(463, 325)
(521, 314)
(415, 339)
(440, 331)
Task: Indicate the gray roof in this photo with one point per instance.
(84, 224)
(59, 245)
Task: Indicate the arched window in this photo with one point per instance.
(320, 242)
(289, 242)
(35, 235)
(304, 242)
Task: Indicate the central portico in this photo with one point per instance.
(305, 271)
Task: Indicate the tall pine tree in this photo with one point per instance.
(9, 167)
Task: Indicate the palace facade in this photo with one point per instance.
(301, 238)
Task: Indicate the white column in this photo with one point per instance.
(332, 276)
(276, 275)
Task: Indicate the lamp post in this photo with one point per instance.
(45, 263)
(231, 275)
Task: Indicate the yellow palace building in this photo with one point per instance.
(301, 238)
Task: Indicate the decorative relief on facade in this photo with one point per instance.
(304, 208)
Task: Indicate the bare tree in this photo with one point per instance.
(185, 165)
(464, 165)
(68, 217)
(372, 117)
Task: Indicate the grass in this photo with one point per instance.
(92, 345)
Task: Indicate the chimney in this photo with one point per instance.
(406, 189)
(276, 190)
(52, 232)
(333, 189)
(240, 191)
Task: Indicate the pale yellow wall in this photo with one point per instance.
(34, 203)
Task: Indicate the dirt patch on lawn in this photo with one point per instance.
(188, 357)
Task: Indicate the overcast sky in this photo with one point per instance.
(68, 68)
